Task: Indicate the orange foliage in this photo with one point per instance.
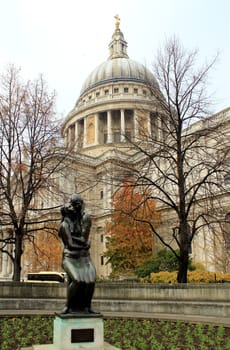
(44, 253)
(193, 277)
(130, 240)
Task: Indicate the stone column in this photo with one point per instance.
(122, 112)
(159, 128)
(135, 122)
(109, 127)
(96, 137)
(76, 137)
(4, 265)
(9, 266)
(68, 136)
(109, 193)
(149, 126)
(84, 133)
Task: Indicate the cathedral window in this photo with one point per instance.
(126, 90)
(116, 90)
(106, 92)
(128, 135)
(97, 93)
(135, 90)
(117, 137)
(227, 179)
(101, 195)
(102, 260)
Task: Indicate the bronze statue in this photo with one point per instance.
(74, 232)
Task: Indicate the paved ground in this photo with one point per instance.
(172, 317)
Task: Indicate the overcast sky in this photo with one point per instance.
(66, 39)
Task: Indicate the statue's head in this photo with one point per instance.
(76, 201)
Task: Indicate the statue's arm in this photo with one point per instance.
(65, 234)
(86, 225)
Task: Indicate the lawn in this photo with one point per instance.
(127, 334)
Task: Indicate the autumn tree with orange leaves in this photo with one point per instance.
(130, 242)
(43, 251)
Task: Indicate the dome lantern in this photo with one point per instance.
(118, 45)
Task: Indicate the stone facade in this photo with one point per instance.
(115, 109)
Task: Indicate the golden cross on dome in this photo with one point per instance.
(117, 22)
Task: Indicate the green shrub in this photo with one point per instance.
(165, 260)
(145, 269)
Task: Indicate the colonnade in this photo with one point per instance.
(88, 131)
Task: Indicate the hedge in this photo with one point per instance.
(193, 277)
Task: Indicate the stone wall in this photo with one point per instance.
(202, 299)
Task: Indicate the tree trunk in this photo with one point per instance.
(183, 266)
(17, 256)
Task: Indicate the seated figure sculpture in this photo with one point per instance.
(74, 232)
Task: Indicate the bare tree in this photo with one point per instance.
(182, 158)
(30, 158)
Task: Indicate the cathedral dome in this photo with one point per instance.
(115, 103)
(117, 69)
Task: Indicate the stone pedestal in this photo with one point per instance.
(77, 332)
